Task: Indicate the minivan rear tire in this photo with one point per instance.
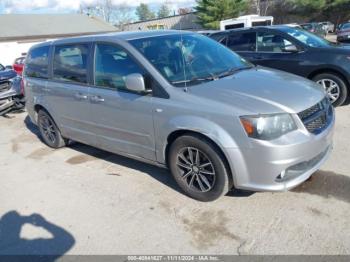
(49, 131)
(341, 84)
(208, 153)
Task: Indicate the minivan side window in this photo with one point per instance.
(269, 42)
(37, 62)
(70, 63)
(112, 65)
(242, 42)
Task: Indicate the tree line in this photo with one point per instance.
(123, 13)
(211, 12)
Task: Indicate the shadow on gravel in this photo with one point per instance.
(160, 174)
(240, 193)
(49, 249)
(31, 127)
(327, 184)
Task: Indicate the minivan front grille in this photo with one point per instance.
(310, 111)
(317, 117)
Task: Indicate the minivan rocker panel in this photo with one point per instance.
(254, 128)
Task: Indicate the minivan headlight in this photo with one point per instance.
(268, 127)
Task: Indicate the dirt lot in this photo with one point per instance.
(88, 201)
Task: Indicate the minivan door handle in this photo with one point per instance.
(97, 99)
(80, 96)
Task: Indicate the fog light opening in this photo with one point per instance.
(281, 176)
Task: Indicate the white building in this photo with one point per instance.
(20, 31)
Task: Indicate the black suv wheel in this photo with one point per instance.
(335, 87)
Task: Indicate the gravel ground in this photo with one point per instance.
(81, 200)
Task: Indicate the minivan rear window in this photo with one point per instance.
(70, 63)
(37, 62)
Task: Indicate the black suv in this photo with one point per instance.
(296, 51)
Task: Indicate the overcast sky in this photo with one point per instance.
(67, 6)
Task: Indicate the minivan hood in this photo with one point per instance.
(262, 91)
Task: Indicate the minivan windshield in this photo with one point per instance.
(307, 38)
(189, 59)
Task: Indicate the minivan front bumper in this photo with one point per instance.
(272, 166)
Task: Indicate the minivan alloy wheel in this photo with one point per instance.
(48, 128)
(196, 169)
(49, 131)
(331, 87)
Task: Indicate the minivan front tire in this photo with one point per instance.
(199, 168)
(49, 131)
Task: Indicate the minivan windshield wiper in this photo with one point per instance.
(194, 80)
(212, 77)
(232, 71)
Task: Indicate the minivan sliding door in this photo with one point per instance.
(69, 91)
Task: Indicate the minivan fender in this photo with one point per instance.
(200, 125)
(39, 102)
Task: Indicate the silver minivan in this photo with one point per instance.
(182, 101)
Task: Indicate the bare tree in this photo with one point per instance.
(89, 9)
(106, 8)
(123, 15)
(184, 10)
(261, 6)
(111, 13)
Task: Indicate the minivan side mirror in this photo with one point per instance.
(291, 49)
(135, 82)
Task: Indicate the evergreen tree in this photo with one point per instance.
(144, 13)
(163, 11)
(211, 12)
(335, 10)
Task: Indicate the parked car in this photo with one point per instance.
(295, 51)
(329, 27)
(11, 92)
(315, 28)
(343, 34)
(294, 25)
(181, 100)
(207, 32)
(18, 65)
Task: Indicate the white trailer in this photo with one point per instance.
(246, 21)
